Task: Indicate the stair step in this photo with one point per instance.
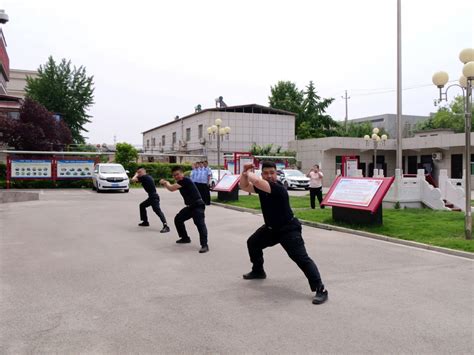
(449, 205)
(456, 209)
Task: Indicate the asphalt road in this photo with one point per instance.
(77, 275)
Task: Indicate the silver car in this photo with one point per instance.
(293, 179)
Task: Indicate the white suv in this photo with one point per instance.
(110, 177)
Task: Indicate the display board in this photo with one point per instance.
(74, 169)
(227, 183)
(31, 169)
(351, 167)
(358, 193)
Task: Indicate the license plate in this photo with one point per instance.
(115, 185)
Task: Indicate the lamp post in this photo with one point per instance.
(440, 79)
(376, 139)
(216, 131)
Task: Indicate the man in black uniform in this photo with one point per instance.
(153, 200)
(280, 227)
(194, 208)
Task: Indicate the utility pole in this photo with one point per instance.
(345, 97)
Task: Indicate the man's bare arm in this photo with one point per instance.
(259, 183)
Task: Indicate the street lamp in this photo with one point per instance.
(440, 79)
(376, 139)
(217, 132)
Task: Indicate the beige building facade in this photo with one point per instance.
(16, 85)
(186, 139)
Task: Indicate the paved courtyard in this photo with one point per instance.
(77, 275)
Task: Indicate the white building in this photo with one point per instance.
(185, 139)
(17, 83)
(430, 150)
(388, 121)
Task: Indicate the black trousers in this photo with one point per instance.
(197, 214)
(204, 192)
(313, 192)
(291, 240)
(154, 202)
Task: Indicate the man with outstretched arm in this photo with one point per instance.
(194, 208)
(153, 199)
(280, 227)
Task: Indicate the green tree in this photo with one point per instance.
(315, 122)
(286, 96)
(450, 117)
(310, 109)
(66, 91)
(125, 153)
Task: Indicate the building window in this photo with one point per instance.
(338, 163)
(174, 138)
(153, 142)
(148, 143)
(163, 140)
(200, 131)
(188, 134)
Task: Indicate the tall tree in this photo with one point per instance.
(65, 90)
(315, 122)
(36, 129)
(286, 96)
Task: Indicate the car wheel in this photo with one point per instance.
(98, 190)
(126, 190)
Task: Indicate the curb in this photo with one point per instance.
(462, 254)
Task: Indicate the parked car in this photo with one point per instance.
(110, 177)
(214, 178)
(292, 178)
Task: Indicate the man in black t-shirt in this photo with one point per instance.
(194, 208)
(153, 200)
(280, 227)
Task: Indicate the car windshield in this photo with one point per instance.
(112, 169)
(293, 173)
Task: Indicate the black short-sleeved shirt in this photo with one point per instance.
(148, 184)
(275, 205)
(190, 193)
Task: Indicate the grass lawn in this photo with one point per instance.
(440, 228)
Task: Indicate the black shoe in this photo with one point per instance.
(183, 240)
(165, 229)
(321, 296)
(204, 249)
(144, 224)
(255, 275)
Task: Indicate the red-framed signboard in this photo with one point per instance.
(350, 164)
(49, 168)
(365, 194)
(227, 183)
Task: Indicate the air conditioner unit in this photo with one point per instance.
(437, 156)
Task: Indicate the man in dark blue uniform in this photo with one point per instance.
(194, 208)
(280, 227)
(153, 200)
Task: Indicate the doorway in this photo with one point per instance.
(456, 166)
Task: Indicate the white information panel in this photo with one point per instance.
(75, 169)
(37, 169)
(358, 192)
(351, 167)
(243, 161)
(227, 183)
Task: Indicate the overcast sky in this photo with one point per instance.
(153, 60)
